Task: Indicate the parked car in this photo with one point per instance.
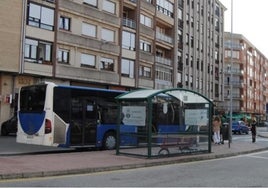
(239, 127)
(9, 126)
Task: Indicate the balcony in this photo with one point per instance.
(234, 83)
(234, 71)
(129, 23)
(163, 61)
(234, 96)
(133, 1)
(164, 37)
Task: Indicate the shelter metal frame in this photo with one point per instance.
(137, 108)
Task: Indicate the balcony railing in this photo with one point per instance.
(234, 71)
(163, 37)
(234, 83)
(129, 23)
(163, 60)
(133, 1)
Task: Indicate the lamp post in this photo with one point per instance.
(231, 81)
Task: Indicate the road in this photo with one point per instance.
(241, 171)
(244, 170)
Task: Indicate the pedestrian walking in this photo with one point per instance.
(216, 130)
(253, 130)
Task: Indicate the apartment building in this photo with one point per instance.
(245, 79)
(114, 44)
(11, 22)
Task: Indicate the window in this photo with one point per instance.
(234, 53)
(127, 68)
(145, 71)
(91, 2)
(88, 60)
(37, 51)
(65, 23)
(108, 6)
(107, 35)
(217, 24)
(187, 39)
(128, 41)
(30, 51)
(50, 1)
(180, 14)
(44, 51)
(145, 46)
(163, 74)
(165, 7)
(63, 56)
(89, 30)
(106, 64)
(146, 20)
(41, 17)
(216, 55)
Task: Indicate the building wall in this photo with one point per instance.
(188, 29)
(248, 67)
(201, 64)
(10, 34)
(10, 51)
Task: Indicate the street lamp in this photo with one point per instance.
(231, 80)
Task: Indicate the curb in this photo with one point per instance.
(123, 167)
(263, 134)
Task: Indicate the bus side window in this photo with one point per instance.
(91, 112)
(109, 115)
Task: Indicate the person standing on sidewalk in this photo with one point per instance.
(216, 130)
(253, 130)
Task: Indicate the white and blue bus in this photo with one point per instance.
(68, 116)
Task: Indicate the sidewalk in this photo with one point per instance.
(40, 165)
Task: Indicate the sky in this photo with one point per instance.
(250, 18)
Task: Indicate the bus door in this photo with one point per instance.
(83, 122)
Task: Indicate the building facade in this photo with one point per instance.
(248, 83)
(113, 44)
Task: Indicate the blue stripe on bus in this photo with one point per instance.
(31, 122)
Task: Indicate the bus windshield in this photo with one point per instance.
(32, 98)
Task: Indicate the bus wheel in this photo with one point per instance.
(109, 141)
(163, 151)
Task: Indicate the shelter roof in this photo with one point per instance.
(184, 95)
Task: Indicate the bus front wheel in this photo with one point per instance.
(109, 141)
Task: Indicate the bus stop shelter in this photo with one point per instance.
(164, 123)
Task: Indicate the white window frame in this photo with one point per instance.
(65, 23)
(106, 64)
(41, 17)
(88, 60)
(145, 46)
(128, 41)
(107, 35)
(109, 6)
(127, 68)
(145, 71)
(91, 2)
(145, 20)
(89, 29)
(37, 50)
(63, 56)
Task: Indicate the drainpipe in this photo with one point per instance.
(54, 52)
(22, 38)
